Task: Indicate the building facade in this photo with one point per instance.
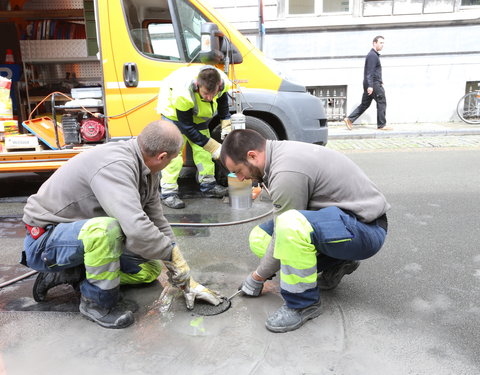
(430, 59)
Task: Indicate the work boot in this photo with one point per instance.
(217, 191)
(173, 201)
(329, 279)
(287, 319)
(115, 317)
(47, 280)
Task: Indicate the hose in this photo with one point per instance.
(236, 222)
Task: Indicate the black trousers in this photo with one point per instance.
(379, 96)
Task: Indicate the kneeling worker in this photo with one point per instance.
(98, 222)
(328, 215)
(190, 97)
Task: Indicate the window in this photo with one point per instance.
(298, 7)
(167, 34)
(334, 99)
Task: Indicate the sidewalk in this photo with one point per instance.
(338, 130)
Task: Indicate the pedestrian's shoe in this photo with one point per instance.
(385, 128)
(173, 201)
(286, 319)
(329, 279)
(47, 280)
(218, 191)
(348, 123)
(115, 317)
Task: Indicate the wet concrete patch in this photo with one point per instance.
(18, 296)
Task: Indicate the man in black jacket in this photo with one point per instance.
(372, 87)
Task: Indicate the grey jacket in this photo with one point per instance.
(108, 180)
(305, 176)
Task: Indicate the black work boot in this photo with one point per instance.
(115, 317)
(173, 201)
(217, 191)
(287, 319)
(47, 280)
(329, 279)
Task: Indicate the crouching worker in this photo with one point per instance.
(98, 222)
(328, 215)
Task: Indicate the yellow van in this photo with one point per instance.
(140, 42)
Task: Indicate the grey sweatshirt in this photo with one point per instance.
(108, 180)
(305, 176)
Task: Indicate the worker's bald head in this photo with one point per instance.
(160, 136)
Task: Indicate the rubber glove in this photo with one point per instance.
(213, 147)
(198, 291)
(226, 128)
(178, 269)
(252, 287)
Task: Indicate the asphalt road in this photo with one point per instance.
(411, 309)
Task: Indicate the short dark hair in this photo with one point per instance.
(209, 78)
(375, 40)
(239, 142)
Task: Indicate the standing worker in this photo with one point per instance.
(190, 97)
(372, 88)
(97, 223)
(328, 215)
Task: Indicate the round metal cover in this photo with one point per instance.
(207, 309)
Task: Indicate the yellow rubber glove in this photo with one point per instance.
(213, 147)
(178, 269)
(226, 128)
(198, 291)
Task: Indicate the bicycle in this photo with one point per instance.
(468, 108)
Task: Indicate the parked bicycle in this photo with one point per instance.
(468, 108)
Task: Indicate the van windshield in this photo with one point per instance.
(165, 33)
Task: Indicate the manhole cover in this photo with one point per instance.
(207, 309)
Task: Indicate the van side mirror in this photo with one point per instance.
(215, 47)
(210, 44)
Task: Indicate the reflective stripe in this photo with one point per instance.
(289, 270)
(296, 288)
(141, 84)
(103, 283)
(108, 267)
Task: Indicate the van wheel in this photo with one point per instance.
(250, 123)
(260, 126)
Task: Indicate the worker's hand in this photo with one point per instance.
(256, 190)
(213, 147)
(369, 90)
(178, 269)
(226, 128)
(198, 291)
(252, 287)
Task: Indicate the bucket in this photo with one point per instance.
(240, 192)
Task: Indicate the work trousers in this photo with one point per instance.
(379, 96)
(97, 243)
(309, 242)
(203, 162)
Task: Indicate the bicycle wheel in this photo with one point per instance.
(468, 108)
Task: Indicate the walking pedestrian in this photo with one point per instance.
(372, 88)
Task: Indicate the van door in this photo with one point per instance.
(142, 42)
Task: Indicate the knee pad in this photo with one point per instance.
(103, 237)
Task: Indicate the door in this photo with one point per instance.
(141, 43)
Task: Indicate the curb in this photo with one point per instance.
(334, 133)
